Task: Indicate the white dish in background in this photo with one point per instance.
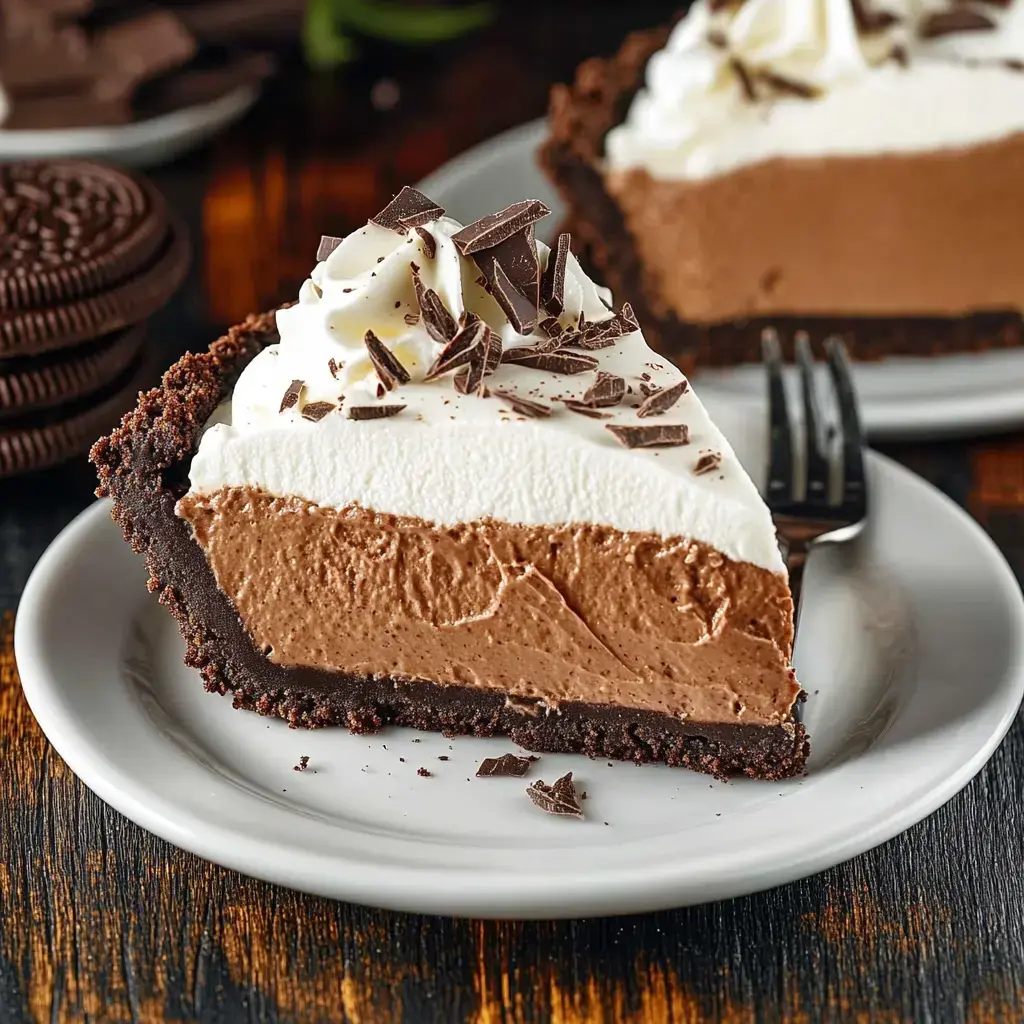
(139, 144)
(900, 398)
(911, 645)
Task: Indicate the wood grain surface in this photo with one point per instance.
(100, 921)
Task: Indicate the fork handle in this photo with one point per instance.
(795, 555)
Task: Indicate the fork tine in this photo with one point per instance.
(817, 461)
(854, 491)
(780, 452)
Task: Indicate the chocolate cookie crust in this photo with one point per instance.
(580, 116)
(143, 465)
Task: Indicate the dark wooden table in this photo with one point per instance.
(101, 921)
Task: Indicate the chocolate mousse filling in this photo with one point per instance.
(708, 689)
(746, 250)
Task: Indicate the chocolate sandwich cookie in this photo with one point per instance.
(121, 304)
(29, 384)
(72, 228)
(42, 439)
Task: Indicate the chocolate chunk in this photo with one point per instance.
(461, 380)
(746, 79)
(302, 765)
(489, 231)
(423, 772)
(603, 333)
(521, 312)
(316, 411)
(654, 436)
(524, 406)
(485, 359)
(518, 289)
(328, 243)
(388, 366)
(291, 395)
(334, 367)
(552, 362)
(504, 766)
(559, 798)
(373, 412)
(429, 245)
(440, 324)
(607, 389)
(955, 19)
(868, 19)
(663, 400)
(585, 410)
(459, 350)
(707, 463)
(552, 283)
(550, 326)
(408, 209)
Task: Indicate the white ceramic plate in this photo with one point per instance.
(911, 645)
(900, 398)
(141, 144)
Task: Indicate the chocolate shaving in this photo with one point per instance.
(328, 243)
(440, 324)
(707, 463)
(585, 410)
(789, 86)
(316, 411)
(485, 358)
(608, 389)
(291, 395)
(521, 312)
(506, 765)
(459, 350)
(662, 400)
(467, 317)
(460, 380)
(408, 209)
(552, 282)
(332, 365)
(373, 412)
(552, 362)
(429, 245)
(870, 20)
(495, 228)
(550, 326)
(411, 318)
(523, 353)
(746, 80)
(559, 798)
(524, 406)
(654, 436)
(604, 333)
(956, 19)
(388, 366)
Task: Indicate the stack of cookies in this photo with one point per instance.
(87, 253)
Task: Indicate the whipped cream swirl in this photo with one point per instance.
(448, 457)
(759, 79)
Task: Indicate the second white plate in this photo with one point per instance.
(911, 645)
(900, 398)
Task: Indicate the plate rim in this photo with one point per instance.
(884, 418)
(418, 889)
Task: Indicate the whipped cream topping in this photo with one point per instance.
(824, 86)
(448, 457)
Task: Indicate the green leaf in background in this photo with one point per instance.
(328, 22)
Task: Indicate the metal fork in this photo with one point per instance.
(817, 492)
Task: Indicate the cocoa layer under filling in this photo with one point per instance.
(549, 613)
(918, 234)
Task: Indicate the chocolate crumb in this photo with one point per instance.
(746, 80)
(291, 395)
(302, 765)
(443, 757)
(558, 798)
(316, 411)
(495, 228)
(459, 350)
(707, 463)
(506, 765)
(663, 400)
(411, 318)
(373, 412)
(334, 366)
(552, 282)
(654, 436)
(484, 360)
(423, 772)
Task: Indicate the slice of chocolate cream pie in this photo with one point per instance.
(452, 488)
